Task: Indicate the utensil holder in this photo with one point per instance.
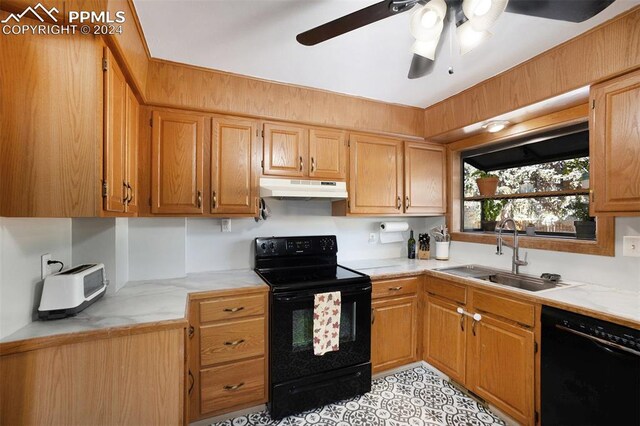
(442, 250)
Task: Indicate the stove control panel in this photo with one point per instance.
(295, 246)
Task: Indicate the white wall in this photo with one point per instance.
(22, 242)
(617, 272)
(157, 248)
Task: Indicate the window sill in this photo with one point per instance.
(602, 246)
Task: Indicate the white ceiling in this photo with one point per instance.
(257, 38)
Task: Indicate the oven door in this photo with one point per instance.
(291, 337)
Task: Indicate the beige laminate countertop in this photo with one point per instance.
(603, 302)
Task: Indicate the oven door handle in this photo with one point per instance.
(307, 295)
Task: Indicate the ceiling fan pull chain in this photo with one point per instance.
(452, 14)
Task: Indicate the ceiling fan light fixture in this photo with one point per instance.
(469, 38)
(486, 20)
(426, 49)
(427, 21)
(429, 18)
(495, 126)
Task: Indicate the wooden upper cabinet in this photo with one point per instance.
(285, 150)
(177, 163)
(327, 154)
(444, 337)
(376, 175)
(615, 146)
(114, 185)
(132, 127)
(233, 160)
(424, 178)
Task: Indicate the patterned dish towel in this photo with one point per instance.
(326, 322)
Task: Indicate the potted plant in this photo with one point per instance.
(530, 229)
(490, 211)
(487, 183)
(585, 224)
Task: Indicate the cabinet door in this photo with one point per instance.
(133, 121)
(393, 332)
(501, 367)
(444, 338)
(424, 178)
(177, 163)
(115, 134)
(615, 146)
(285, 150)
(375, 175)
(327, 154)
(233, 181)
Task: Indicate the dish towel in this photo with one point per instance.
(326, 322)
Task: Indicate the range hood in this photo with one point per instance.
(302, 189)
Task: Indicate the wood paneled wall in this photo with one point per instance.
(177, 85)
(607, 50)
(129, 380)
(50, 124)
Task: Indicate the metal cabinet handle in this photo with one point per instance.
(214, 200)
(399, 206)
(233, 387)
(130, 192)
(395, 288)
(193, 382)
(199, 199)
(125, 193)
(313, 164)
(462, 322)
(373, 315)
(476, 319)
(232, 310)
(301, 163)
(234, 343)
(192, 331)
(407, 200)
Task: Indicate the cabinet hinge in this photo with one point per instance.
(262, 133)
(349, 143)
(535, 347)
(257, 132)
(536, 417)
(191, 331)
(349, 204)
(151, 122)
(105, 188)
(105, 64)
(149, 201)
(593, 104)
(262, 164)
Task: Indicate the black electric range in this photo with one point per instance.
(297, 268)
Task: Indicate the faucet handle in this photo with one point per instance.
(523, 262)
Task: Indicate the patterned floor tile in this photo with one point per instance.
(412, 397)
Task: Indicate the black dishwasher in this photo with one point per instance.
(590, 371)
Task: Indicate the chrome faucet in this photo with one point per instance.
(515, 260)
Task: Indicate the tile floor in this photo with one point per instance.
(413, 397)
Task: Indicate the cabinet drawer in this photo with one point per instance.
(231, 341)
(227, 308)
(396, 287)
(520, 312)
(446, 289)
(232, 385)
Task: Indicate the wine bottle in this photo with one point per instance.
(411, 245)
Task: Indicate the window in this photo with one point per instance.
(542, 184)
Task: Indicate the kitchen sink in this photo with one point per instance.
(500, 277)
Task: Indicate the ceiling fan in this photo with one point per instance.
(473, 19)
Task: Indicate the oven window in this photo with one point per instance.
(302, 325)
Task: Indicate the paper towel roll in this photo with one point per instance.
(394, 226)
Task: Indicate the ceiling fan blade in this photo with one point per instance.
(420, 66)
(352, 21)
(561, 10)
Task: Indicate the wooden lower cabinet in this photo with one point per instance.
(444, 338)
(227, 351)
(394, 325)
(492, 354)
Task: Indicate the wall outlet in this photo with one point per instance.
(373, 238)
(225, 225)
(631, 246)
(45, 268)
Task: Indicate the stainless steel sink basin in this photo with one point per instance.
(497, 276)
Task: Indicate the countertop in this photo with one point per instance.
(140, 302)
(157, 301)
(609, 303)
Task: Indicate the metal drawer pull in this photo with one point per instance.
(233, 387)
(234, 343)
(395, 288)
(233, 309)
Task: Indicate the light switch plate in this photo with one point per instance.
(631, 246)
(225, 225)
(45, 270)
